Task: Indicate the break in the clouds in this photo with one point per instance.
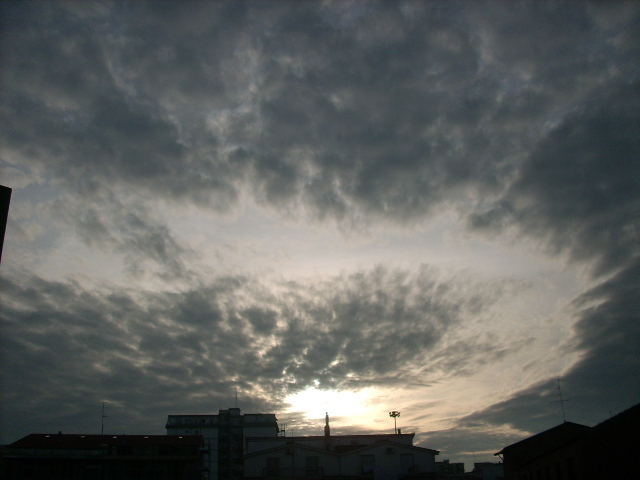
(409, 197)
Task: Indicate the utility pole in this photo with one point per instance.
(103, 417)
(395, 416)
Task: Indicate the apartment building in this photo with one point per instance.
(224, 436)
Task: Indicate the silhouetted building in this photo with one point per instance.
(381, 457)
(224, 436)
(536, 456)
(576, 452)
(97, 457)
(446, 468)
(489, 470)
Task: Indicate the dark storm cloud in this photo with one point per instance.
(523, 118)
(69, 108)
(378, 111)
(578, 192)
(579, 188)
(70, 347)
(348, 116)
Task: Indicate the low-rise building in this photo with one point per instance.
(380, 457)
(489, 470)
(446, 468)
(94, 457)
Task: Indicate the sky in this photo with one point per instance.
(342, 207)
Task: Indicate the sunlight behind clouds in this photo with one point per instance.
(314, 403)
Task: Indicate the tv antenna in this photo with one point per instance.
(561, 402)
(103, 417)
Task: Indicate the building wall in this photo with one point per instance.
(563, 463)
(92, 457)
(388, 461)
(290, 457)
(292, 462)
(224, 436)
(254, 444)
(489, 470)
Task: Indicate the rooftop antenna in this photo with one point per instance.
(103, 417)
(561, 402)
(235, 386)
(395, 416)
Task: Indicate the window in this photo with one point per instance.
(368, 463)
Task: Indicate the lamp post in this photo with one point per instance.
(395, 416)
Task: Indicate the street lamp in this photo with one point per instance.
(395, 415)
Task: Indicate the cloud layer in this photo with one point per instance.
(128, 127)
(373, 328)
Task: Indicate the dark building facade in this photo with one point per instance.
(577, 452)
(554, 449)
(224, 435)
(104, 457)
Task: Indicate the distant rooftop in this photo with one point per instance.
(89, 442)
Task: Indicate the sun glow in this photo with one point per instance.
(313, 403)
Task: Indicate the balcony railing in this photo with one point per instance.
(293, 472)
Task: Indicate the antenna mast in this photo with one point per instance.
(561, 402)
(235, 386)
(103, 417)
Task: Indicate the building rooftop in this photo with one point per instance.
(89, 442)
